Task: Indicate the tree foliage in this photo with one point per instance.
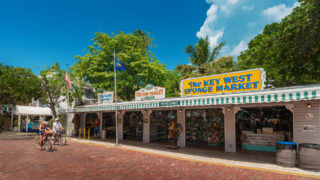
(289, 51)
(18, 85)
(54, 87)
(133, 50)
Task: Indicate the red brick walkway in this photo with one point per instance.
(19, 159)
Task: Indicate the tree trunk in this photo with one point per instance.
(53, 110)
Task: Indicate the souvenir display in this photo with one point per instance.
(133, 125)
(160, 123)
(205, 126)
(261, 128)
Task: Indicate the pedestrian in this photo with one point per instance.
(97, 128)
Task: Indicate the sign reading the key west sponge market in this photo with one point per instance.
(224, 83)
(150, 92)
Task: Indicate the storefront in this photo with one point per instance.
(133, 125)
(237, 116)
(28, 118)
(160, 122)
(259, 128)
(205, 127)
(109, 124)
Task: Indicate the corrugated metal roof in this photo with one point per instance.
(29, 110)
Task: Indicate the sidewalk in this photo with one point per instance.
(249, 160)
(17, 135)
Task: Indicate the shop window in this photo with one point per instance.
(205, 126)
(261, 127)
(109, 123)
(133, 125)
(159, 124)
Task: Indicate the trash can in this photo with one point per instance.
(309, 156)
(286, 153)
(103, 134)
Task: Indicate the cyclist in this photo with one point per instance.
(42, 128)
(56, 126)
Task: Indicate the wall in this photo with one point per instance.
(300, 119)
(229, 130)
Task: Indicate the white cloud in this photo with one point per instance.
(247, 8)
(207, 29)
(243, 45)
(277, 13)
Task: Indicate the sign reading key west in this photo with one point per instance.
(224, 83)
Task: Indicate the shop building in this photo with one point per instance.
(229, 121)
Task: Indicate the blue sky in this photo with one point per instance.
(34, 34)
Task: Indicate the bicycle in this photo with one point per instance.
(46, 141)
(60, 137)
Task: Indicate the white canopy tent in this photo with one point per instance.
(29, 111)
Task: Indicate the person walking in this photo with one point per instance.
(97, 128)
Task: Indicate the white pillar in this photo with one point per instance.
(19, 123)
(27, 122)
(82, 122)
(146, 125)
(70, 125)
(230, 129)
(120, 124)
(181, 119)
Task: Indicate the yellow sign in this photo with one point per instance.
(224, 83)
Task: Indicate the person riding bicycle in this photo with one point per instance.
(56, 126)
(42, 129)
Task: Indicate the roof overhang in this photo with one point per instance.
(29, 110)
(288, 94)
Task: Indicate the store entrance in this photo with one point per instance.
(91, 118)
(205, 128)
(109, 124)
(258, 129)
(160, 122)
(133, 126)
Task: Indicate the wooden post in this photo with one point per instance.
(79, 133)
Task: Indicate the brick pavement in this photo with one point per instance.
(20, 160)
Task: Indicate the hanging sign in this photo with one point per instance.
(150, 92)
(105, 98)
(224, 83)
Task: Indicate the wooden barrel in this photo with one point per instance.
(286, 153)
(309, 156)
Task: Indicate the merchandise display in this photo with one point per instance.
(159, 124)
(108, 123)
(133, 125)
(260, 128)
(205, 126)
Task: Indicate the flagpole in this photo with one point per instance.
(115, 93)
(68, 100)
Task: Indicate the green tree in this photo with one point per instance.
(18, 85)
(172, 84)
(289, 51)
(54, 87)
(133, 50)
(201, 55)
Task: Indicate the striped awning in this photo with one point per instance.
(289, 94)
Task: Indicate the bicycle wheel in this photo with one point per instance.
(48, 145)
(62, 140)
